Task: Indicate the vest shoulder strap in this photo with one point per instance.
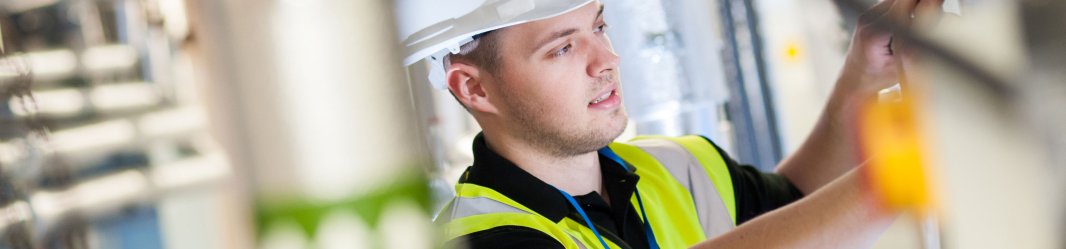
(477, 208)
(695, 164)
(713, 164)
(467, 225)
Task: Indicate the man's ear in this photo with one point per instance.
(466, 83)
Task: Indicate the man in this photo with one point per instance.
(546, 93)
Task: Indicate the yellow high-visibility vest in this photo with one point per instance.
(684, 183)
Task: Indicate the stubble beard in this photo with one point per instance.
(567, 141)
(539, 128)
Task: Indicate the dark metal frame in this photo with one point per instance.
(751, 104)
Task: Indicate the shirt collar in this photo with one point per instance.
(496, 172)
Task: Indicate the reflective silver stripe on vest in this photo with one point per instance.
(683, 166)
(576, 241)
(460, 207)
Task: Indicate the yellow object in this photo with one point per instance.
(792, 51)
(672, 209)
(519, 216)
(891, 138)
(712, 164)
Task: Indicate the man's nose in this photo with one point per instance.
(602, 58)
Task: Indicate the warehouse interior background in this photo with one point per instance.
(292, 123)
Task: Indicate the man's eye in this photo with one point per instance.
(602, 28)
(562, 51)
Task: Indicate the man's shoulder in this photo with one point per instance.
(692, 139)
(682, 145)
(506, 237)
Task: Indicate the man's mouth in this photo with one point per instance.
(609, 99)
(602, 97)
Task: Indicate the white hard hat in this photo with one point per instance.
(430, 29)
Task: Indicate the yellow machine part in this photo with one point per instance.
(896, 171)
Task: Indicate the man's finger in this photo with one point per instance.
(882, 7)
(876, 12)
(930, 10)
(931, 5)
(902, 9)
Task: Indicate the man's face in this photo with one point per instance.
(558, 83)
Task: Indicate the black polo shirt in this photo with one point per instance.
(755, 193)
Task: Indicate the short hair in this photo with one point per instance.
(482, 52)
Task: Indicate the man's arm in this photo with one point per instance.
(830, 150)
(836, 216)
(836, 213)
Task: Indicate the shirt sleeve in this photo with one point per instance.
(518, 237)
(757, 192)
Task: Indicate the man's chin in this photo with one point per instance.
(614, 133)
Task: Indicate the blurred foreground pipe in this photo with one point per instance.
(992, 165)
(1046, 91)
(309, 101)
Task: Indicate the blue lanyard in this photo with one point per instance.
(652, 243)
(584, 216)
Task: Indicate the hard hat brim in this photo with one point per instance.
(454, 32)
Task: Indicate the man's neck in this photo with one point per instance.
(576, 175)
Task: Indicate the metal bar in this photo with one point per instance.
(750, 105)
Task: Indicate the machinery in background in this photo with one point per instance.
(100, 133)
(977, 141)
(104, 141)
